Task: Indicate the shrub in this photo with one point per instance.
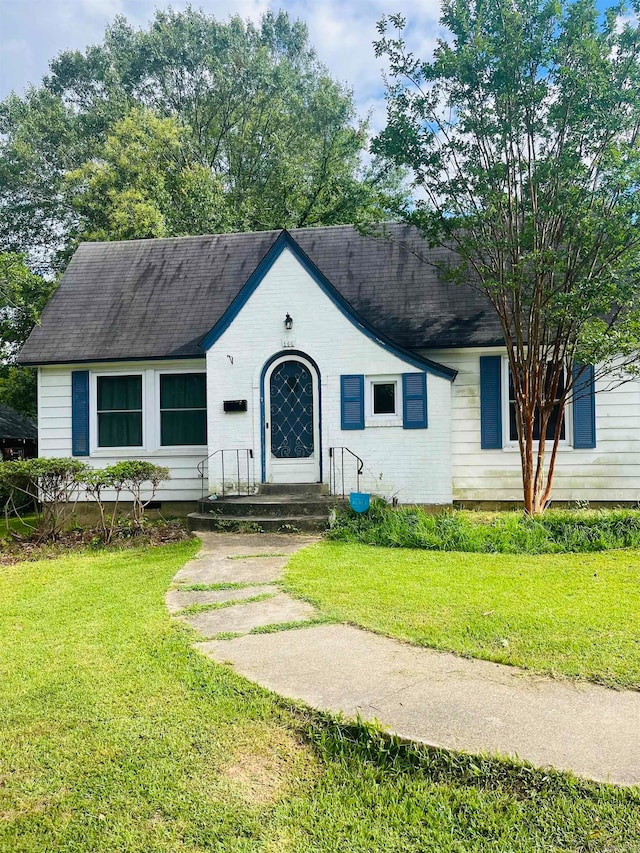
(508, 532)
(133, 476)
(129, 476)
(53, 483)
(96, 482)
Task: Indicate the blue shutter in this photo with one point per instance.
(352, 402)
(414, 400)
(490, 402)
(584, 408)
(80, 412)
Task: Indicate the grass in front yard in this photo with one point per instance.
(23, 525)
(567, 614)
(116, 735)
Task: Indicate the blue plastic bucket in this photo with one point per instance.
(359, 501)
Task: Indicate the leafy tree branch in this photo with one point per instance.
(521, 136)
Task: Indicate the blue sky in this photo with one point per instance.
(342, 31)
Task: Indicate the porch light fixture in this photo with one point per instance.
(288, 322)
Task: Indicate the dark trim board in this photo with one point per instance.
(119, 360)
(286, 241)
(263, 447)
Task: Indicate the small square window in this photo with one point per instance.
(384, 398)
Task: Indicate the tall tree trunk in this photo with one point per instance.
(538, 482)
(525, 433)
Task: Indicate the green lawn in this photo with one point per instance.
(18, 525)
(115, 735)
(568, 614)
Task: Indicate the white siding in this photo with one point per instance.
(54, 424)
(412, 465)
(609, 472)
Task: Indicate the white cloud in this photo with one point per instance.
(246, 9)
(35, 31)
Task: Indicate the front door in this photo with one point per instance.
(292, 422)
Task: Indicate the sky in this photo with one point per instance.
(34, 31)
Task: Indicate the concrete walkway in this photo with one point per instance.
(432, 697)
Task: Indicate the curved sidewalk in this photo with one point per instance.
(432, 697)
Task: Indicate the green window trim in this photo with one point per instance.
(183, 410)
(119, 410)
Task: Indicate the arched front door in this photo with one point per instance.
(292, 417)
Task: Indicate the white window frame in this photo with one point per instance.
(511, 445)
(176, 448)
(127, 450)
(372, 419)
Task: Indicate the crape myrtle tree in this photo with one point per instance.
(188, 126)
(522, 139)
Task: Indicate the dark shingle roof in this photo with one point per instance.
(159, 298)
(14, 425)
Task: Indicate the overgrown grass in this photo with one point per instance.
(115, 735)
(556, 531)
(568, 614)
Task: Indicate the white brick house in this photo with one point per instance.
(298, 354)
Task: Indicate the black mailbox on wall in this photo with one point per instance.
(235, 405)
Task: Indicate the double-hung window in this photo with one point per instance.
(183, 409)
(119, 407)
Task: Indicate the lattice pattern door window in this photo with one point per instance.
(291, 390)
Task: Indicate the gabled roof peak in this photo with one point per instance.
(286, 241)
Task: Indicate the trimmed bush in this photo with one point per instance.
(556, 531)
(53, 484)
(140, 479)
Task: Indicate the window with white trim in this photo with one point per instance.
(383, 399)
(183, 409)
(119, 410)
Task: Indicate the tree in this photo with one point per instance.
(40, 139)
(140, 186)
(253, 124)
(522, 137)
(19, 389)
(23, 295)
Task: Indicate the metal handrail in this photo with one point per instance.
(333, 453)
(248, 453)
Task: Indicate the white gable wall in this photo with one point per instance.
(608, 472)
(54, 424)
(412, 465)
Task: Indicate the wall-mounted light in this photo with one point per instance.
(288, 322)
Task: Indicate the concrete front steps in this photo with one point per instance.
(277, 508)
